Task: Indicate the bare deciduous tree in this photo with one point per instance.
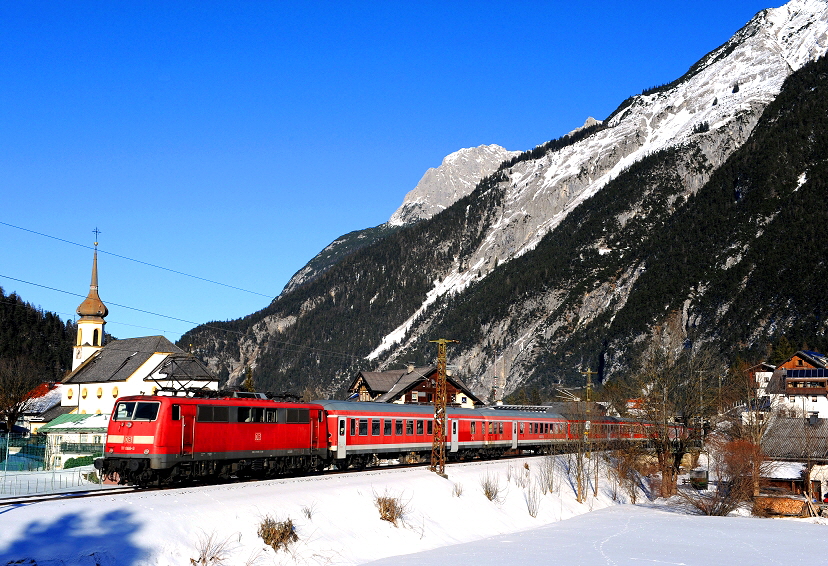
(18, 377)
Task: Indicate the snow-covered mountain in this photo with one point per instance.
(540, 259)
(456, 177)
(723, 94)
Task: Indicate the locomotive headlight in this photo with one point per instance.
(146, 450)
(111, 450)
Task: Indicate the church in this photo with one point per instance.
(103, 372)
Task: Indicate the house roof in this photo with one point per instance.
(390, 384)
(44, 397)
(53, 413)
(794, 438)
(77, 423)
(119, 359)
(379, 382)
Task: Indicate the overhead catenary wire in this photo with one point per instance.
(136, 260)
(294, 347)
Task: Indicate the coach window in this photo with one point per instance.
(363, 427)
(501, 428)
(386, 427)
(429, 427)
(375, 427)
(353, 427)
(473, 427)
(176, 412)
(409, 427)
(521, 426)
(398, 427)
(419, 427)
(490, 427)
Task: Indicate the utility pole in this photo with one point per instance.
(587, 425)
(438, 442)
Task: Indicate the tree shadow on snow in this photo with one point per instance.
(73, 539)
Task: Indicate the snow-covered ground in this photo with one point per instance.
(337, 523)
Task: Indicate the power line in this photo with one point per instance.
(296, 347)
(136, 260)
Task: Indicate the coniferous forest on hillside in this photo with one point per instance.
(32, 333)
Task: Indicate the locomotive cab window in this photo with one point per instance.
(136, 411)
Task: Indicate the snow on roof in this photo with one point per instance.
(784, 470)
(44, 402)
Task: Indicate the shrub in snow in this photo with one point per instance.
(211, 551)
(277, 534)
(490, 483)
(391, 508)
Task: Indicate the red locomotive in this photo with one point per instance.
(162, 440)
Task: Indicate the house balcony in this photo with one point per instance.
(81, 448)
(789, 390)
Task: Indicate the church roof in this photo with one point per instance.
(119, 359)
(92, 306)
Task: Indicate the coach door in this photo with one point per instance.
(341, 438)
(514, 435)
(453, 435)
(188, 413)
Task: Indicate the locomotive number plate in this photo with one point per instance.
(258, 436)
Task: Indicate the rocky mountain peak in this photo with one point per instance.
(456, 177)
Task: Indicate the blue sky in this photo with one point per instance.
(234, 140)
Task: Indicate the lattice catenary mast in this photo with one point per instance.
(438, 442)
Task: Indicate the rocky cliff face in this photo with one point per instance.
(455, 178)
(562, 256)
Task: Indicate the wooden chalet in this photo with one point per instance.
(799, 386)
(411, 385)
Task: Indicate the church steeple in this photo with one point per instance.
(91, 323)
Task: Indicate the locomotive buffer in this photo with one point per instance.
(438, 442)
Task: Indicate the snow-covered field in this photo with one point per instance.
(337, 523)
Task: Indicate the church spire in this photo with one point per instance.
(91, 323)
(92, 306)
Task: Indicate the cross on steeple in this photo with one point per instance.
(96, 232)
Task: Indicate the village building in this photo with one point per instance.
(43, 406)
(799, 385)
(411, 385)
(74, 437)
(101, 373)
